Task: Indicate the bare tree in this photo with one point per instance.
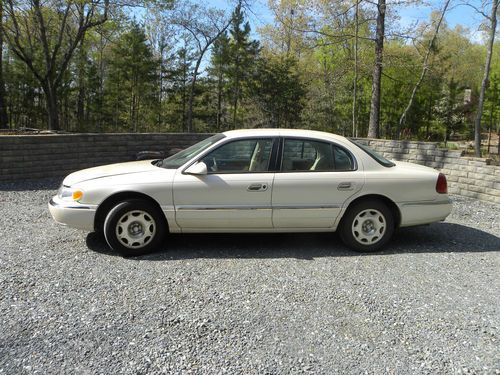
(53, 30)
(374, 123)
(484, 85)
(425, 66)
(205, 26)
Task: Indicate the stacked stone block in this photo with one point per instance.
(40, 156)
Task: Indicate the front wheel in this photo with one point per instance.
(134, 227)
(367, 226)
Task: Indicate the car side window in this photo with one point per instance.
(300, 155)
(240, 156)
(343, 159)
(307, 155)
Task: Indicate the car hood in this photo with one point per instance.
(109, 170)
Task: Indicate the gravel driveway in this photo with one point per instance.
(252, 304)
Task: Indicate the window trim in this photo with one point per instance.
(332, 144)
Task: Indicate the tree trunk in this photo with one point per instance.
(236, 91)
(498, 140)
(160, 93)
(80, 104)
(191, 94)
(52, 106)
(429, 117)
(355, 81)
(373, 128)
(4, 120)
(101, 81)
(490, 125)
(235, 106)
(219, 99)
(425, 67)
(484, 84)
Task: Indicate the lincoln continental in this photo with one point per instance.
(265, 180)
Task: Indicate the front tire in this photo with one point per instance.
(367, 226)
(135, 227)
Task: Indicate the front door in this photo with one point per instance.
(234, 195)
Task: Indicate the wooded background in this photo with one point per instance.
(347, 67)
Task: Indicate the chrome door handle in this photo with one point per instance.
(344, 186)
(257, 187)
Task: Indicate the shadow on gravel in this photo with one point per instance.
(434, 238)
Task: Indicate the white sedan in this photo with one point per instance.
(265, 180)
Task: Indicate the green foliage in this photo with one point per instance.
(450, 109)
(278, 92)
(130, 94)
(128, 76)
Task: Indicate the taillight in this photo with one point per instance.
(441, 184)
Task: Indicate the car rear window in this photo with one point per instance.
(374, 155)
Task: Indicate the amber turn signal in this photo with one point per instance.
(77, 195)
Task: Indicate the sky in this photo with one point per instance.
(457, 14)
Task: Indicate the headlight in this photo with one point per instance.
(69, 194)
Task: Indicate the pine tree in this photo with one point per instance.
(219, 71)
(131, 82)
(242, 55)
(278, 92)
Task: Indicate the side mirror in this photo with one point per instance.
(199, 168)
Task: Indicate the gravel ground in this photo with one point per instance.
(252, 304)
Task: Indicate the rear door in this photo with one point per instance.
(315, 180)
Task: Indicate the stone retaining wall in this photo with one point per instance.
(39, 156)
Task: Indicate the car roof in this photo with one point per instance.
(283, 133)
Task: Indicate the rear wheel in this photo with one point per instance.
(367, 226)
(134, 227)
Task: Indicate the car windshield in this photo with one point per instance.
(377, 157)
(176, 160)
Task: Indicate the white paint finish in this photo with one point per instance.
(316, 190)
(416, 214)
(222, 203)
(72, 214)
(156, 183)
(257, 230)
(223, 200)
(107, 171)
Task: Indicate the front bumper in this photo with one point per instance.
(73, 214)
(417, 213)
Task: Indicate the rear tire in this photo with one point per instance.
(367, 226)
(135, 227)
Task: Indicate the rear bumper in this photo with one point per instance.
(417, 213)
(73, 214)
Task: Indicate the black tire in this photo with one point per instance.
(367, 226)
(135, 227)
